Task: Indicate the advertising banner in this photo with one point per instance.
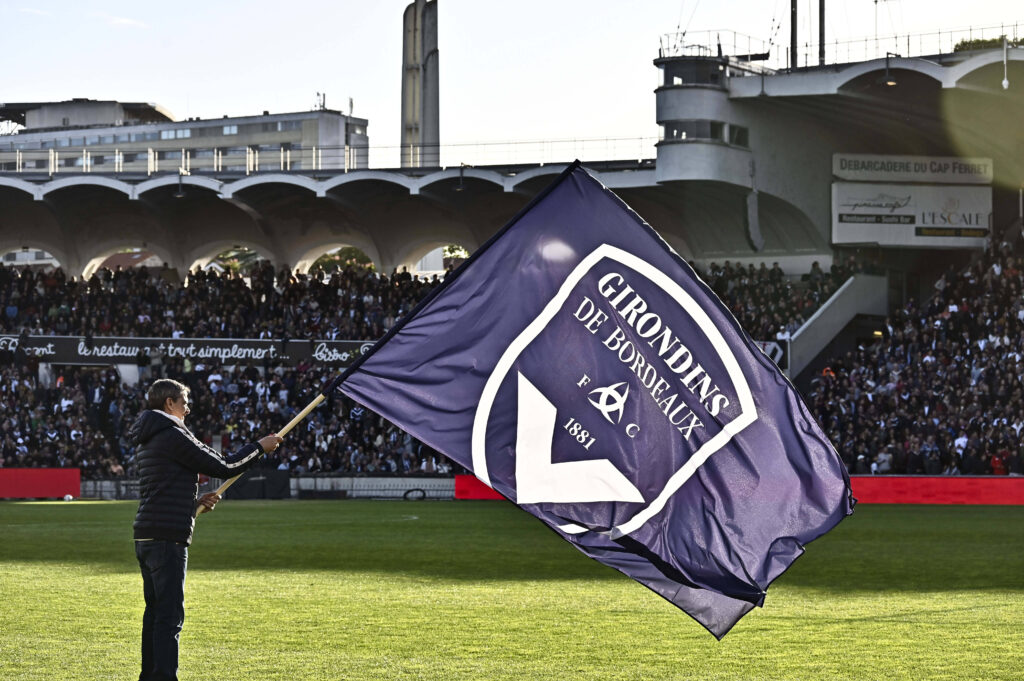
(939, 216)
(922, 169)
(119, 350)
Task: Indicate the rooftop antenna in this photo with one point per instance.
(876, 22)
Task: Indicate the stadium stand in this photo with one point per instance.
(352, 303)
(84, 419)
(889, 408)
(941, 391)
(767, 303)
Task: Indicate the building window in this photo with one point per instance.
(166, 134)
(182, 133)
(694, 130)
(739, 136)
(230, 129)
(693, 72)
(92, 139)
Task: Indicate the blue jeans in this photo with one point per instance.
(163, 565)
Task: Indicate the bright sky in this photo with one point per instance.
(522, 70)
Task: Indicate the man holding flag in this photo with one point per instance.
(169, 460)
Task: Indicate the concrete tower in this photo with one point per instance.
(421, 129)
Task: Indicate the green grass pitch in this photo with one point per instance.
(480, 590)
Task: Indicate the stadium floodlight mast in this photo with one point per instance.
(1006, 56)
(328, 390)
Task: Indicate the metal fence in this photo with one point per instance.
(776, 55)
(19, 158)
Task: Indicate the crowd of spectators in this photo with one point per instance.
(83, 419)
(941, 392)
(351, 303)
(767, 303)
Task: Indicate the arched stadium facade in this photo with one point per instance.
(744, 171)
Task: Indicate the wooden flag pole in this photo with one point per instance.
(281, 433)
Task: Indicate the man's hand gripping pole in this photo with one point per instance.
(200, 508)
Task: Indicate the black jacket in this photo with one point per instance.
(169, 459)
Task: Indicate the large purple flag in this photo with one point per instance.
(578, 366)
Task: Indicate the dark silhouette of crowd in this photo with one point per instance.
(82, 419)
(351, 303)
(767, 303)
(941, 391)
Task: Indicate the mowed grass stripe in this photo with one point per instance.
(480, 590)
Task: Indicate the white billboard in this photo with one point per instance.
(924, 169)
(939, 216)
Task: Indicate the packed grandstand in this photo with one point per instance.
(939, 392)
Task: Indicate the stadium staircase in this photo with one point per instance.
(861, 294)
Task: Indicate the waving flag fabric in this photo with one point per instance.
(579, 367)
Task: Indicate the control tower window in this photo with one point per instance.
(693, 72)
(694, 130)
(739, 136)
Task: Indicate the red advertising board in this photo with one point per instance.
(909, 489)
(470, 487)
(877, 489)
(40, 483)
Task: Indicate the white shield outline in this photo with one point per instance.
(748, 411)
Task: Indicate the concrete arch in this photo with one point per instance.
(540, 171)
(229, 189)
(454, 173)
(925, 68)
(172, 180)
(86, 180)
(202, 255)
(33, 190)
(100, 252)
(513, 183)
(979, 61)
(408, 183)
(413, 251)
(302, 264)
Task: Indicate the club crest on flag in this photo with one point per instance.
(621, 362)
